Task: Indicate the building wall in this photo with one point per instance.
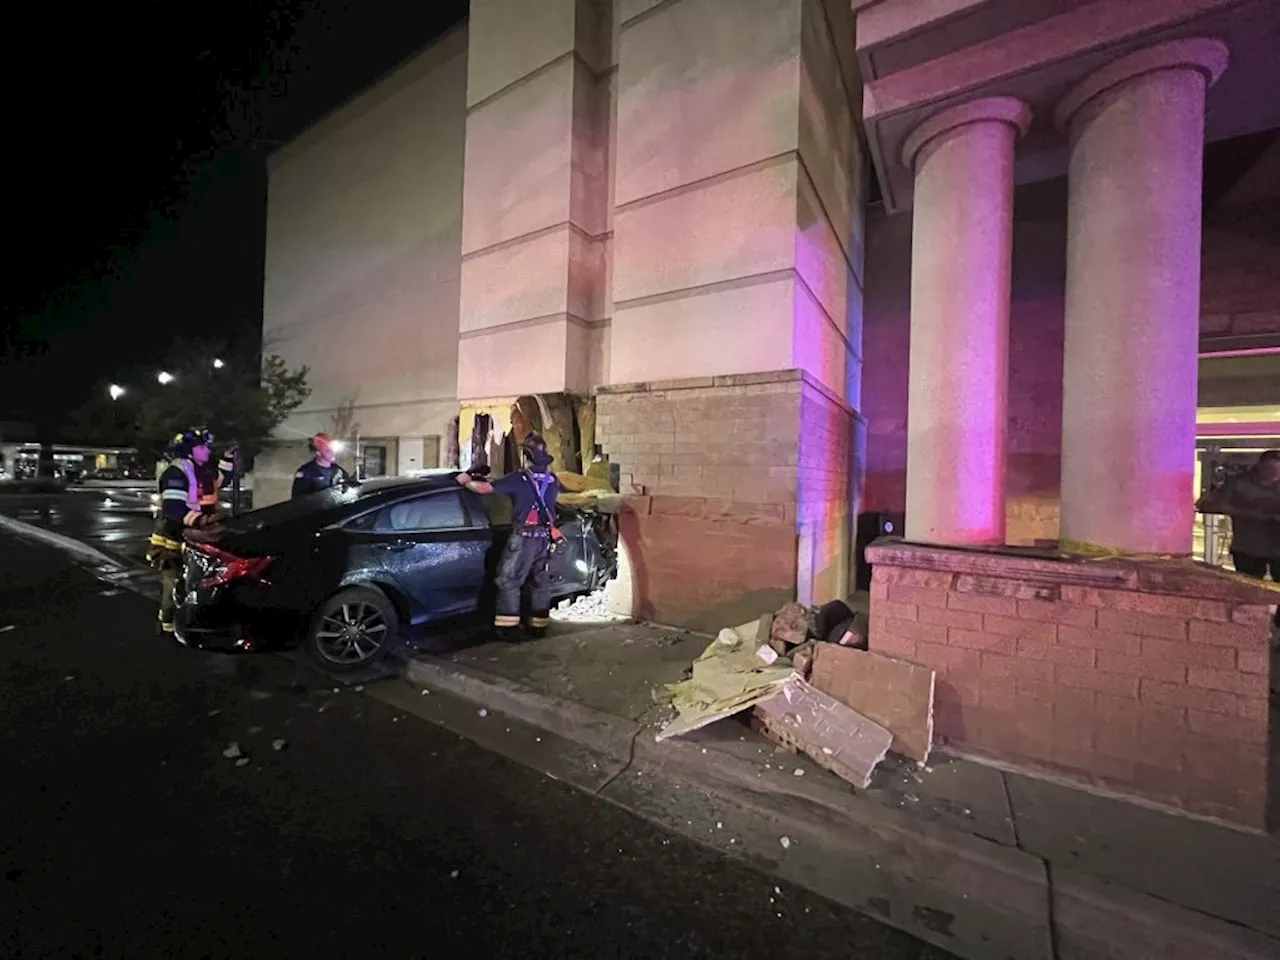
(1240, 294)
(364, 228)
(737, 271)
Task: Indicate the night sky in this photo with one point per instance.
(136, 138)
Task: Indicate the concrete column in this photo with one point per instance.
(1133, 298)
(962, 236)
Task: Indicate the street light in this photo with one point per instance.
(218, 364)
(165, 377)
(116, 391)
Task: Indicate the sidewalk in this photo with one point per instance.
(981, 861)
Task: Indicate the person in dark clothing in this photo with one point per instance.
(320, 472)
(527, 556)
(1252, 501)
(213, 477)
(179, 489)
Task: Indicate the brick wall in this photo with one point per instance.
(737, 491)
(1149, 679)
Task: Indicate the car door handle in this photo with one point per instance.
(397, 546)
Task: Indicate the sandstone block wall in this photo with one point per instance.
(1084, 670)
(728, 481)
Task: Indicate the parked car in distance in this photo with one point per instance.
(349, 570)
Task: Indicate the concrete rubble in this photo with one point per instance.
(811, 690)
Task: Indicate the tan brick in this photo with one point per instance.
(1017, 627)
(995, 606)
(1253, 661)
(894, 611)
(1231, 681)
(1248, 637)
(950, 618)
(999, 665)
(1067, 613)
(1180, 651)
(1145, 624)
(1110, 709)
(920, 596)
(1160, 604)
(1252, 615)
(1253, 708)
(1126, 643)
(1226, 727)
(977, 640)
(1000, 587)
(1055, 652)
(1089, 678)
(1142, 666)
(928, 632)
(1194, 698)
(952, 660)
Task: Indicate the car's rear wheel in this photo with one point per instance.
(352, 629)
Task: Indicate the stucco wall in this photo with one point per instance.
(364, 228)
(1240, 293)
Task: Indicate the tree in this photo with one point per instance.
(239, 401)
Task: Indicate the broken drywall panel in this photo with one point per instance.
(834, 736)
(896, 694)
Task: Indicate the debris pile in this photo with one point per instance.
(813, 687)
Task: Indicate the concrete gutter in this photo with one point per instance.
(978, 899)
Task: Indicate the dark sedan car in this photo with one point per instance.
(351, 569)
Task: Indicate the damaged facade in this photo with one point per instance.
(641, 227)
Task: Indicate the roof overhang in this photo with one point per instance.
(919, 57)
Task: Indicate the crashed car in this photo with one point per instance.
(351, 570)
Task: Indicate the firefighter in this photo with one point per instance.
(213, 477)
(321, 471)
(527, 556)
(179, 511)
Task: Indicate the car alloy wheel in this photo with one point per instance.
(353, 632)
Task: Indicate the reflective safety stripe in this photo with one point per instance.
(174, 495)
(158, 540)
(191, 517)
(167, 627)
(502, 620)
(538, 621)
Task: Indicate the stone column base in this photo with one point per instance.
(1144, 677)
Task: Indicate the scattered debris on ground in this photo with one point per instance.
(232, 751)
(8, 628)
(730, 676)
(812, 688)
(278, 745)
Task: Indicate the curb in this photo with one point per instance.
(976, 898)
(593, 729)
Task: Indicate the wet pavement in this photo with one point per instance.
(116, 521)
(339, 826)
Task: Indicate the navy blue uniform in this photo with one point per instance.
(312, 477)
(527, 556)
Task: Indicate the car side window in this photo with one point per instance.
(435, 511)
(364, 523)
(498, 509)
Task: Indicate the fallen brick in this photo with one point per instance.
(893, 693)
(832, 735)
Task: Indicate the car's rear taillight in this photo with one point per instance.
(230, 567)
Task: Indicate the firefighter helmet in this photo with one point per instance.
(535, 450)
(188, 440)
